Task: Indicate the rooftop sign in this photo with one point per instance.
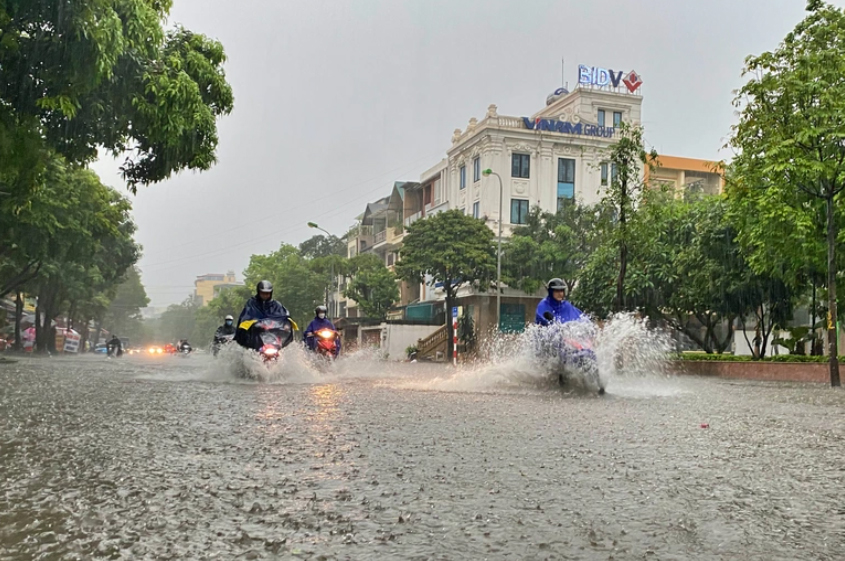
(568, 128)
(602, 77)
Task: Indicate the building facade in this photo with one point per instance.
(206, 287)
(556, 154)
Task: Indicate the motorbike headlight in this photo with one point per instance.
(269, 351)
(325, 333)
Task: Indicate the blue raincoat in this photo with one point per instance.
(316, 325)
(562, 311)
(258, 309)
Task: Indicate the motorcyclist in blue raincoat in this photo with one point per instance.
(320, 321)
(557, 305)
(258, 307)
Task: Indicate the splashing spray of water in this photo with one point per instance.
(625, 349)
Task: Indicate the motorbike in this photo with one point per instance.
(220, 341)
(269, 336)
(326, 344)
(114, 351)
(573, 360)
(185, 349)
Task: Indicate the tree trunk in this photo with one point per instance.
(39, 329)
(450, 342)
(18, 318)
(623, 253)
(832, 345)
(813, 319)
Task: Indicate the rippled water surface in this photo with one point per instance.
(169, 458)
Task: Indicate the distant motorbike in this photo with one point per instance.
(573, 360)
(269, 336)
(114, 351)
(326, 344)
(184, 350)
(219, 342)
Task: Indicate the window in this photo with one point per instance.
(476, 209)
(601, 117)
(520, 164)
(519, 211)
(617, 118)
(614, 173)
(604, 173)
(565, 180)
(476, 169)
(463, 177)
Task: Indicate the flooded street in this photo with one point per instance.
(168, 458)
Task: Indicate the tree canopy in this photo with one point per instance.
(451, 248)
(372, 285)
(789, 145)
(83, 75)
(551, 245)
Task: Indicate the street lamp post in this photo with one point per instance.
(488, 172)
(334, 279)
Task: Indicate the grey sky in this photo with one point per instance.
(336, 100)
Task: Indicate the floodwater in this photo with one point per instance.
(170, 458)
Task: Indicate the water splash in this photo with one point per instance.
(626, 350)
(296, 365)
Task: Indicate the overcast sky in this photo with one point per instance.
(336, 100)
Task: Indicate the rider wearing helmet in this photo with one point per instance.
(320, 321)
(258, 307)
(228, 328)
(556, 304)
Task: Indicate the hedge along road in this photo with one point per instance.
(174, 459)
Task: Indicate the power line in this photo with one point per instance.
(242, 226)
(221, 251)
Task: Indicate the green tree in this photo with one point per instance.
(372, 285)
(124, 311)
(296, 285)
(551, 245)
(453, 249)
(88, 246)
(688, 270)
(322, 246)
(178, 321)
(83, 75)
(790, 135)
(628, 159)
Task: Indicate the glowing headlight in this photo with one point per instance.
(325, 333)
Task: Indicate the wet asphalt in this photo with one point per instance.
(168, 458)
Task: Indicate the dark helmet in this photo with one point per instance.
(264, 286)
(319, 309)
(556, 284)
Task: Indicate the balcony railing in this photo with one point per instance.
(381, 237)
(413, 218)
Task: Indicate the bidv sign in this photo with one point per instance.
(601, 77)
(568, 128)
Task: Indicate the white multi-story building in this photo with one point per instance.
(554, 154)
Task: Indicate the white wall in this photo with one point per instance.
(396, 338)
(741, 347)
